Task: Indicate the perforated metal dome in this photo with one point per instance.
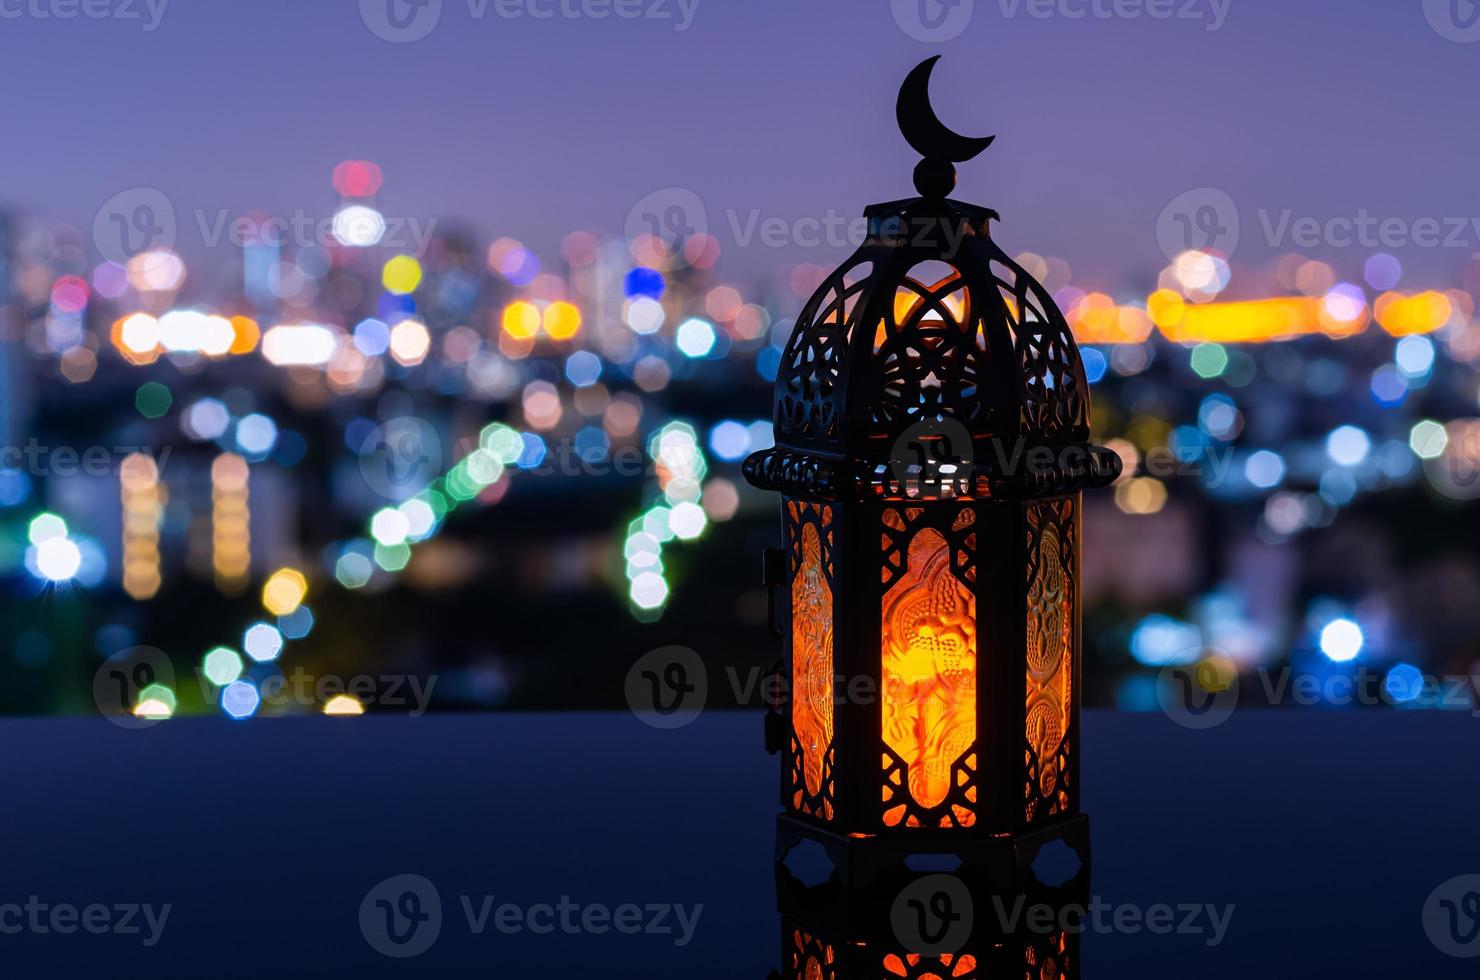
(930, 363)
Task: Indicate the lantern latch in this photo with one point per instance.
(773, 576)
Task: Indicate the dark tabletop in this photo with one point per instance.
(1328, 832)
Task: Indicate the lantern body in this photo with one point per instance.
(932, 426)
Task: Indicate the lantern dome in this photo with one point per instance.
(930, 363)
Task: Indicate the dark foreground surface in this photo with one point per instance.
(1326, 832)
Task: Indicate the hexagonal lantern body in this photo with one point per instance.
(932, 427)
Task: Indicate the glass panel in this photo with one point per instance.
(812, 659)
(1050, 649)
(929, 671)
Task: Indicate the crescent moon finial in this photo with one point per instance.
(931, 138)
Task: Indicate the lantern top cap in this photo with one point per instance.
(935, 176)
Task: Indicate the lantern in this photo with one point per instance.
(932, 439)
(915, 925)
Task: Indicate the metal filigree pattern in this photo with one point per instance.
(1052, 961)
(810, 538)
(1050, 653)
(927, 354)
(809, 958)
(1055, 393)
(809, 391)
(928, 670)
(946, 966)
(930, 324)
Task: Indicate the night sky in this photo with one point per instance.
(764, 108)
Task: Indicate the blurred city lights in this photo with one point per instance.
(58, 559)
(240, 699)
(343, 706)
(695, 338)
(1348, 445)
(262, 642)
(222, 666)
(1341, 640)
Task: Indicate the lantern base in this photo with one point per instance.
(1006, 860)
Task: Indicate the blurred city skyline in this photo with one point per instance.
(774, 119)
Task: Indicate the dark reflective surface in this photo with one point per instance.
(1327, 833)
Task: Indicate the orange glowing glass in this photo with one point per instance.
(812, 659)
(1050, 648)
(929, 673)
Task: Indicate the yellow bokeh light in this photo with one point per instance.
(1402, 315)
(1254, 321)
(246, 333)
(401, 275)
(284, 591)
(1141, 495)
(1096, 319)
(1165, 308)
(521, 320)
(343, 706)
(562, 320)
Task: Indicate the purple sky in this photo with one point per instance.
(782, 108)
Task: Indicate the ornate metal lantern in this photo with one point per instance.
(932, 427)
